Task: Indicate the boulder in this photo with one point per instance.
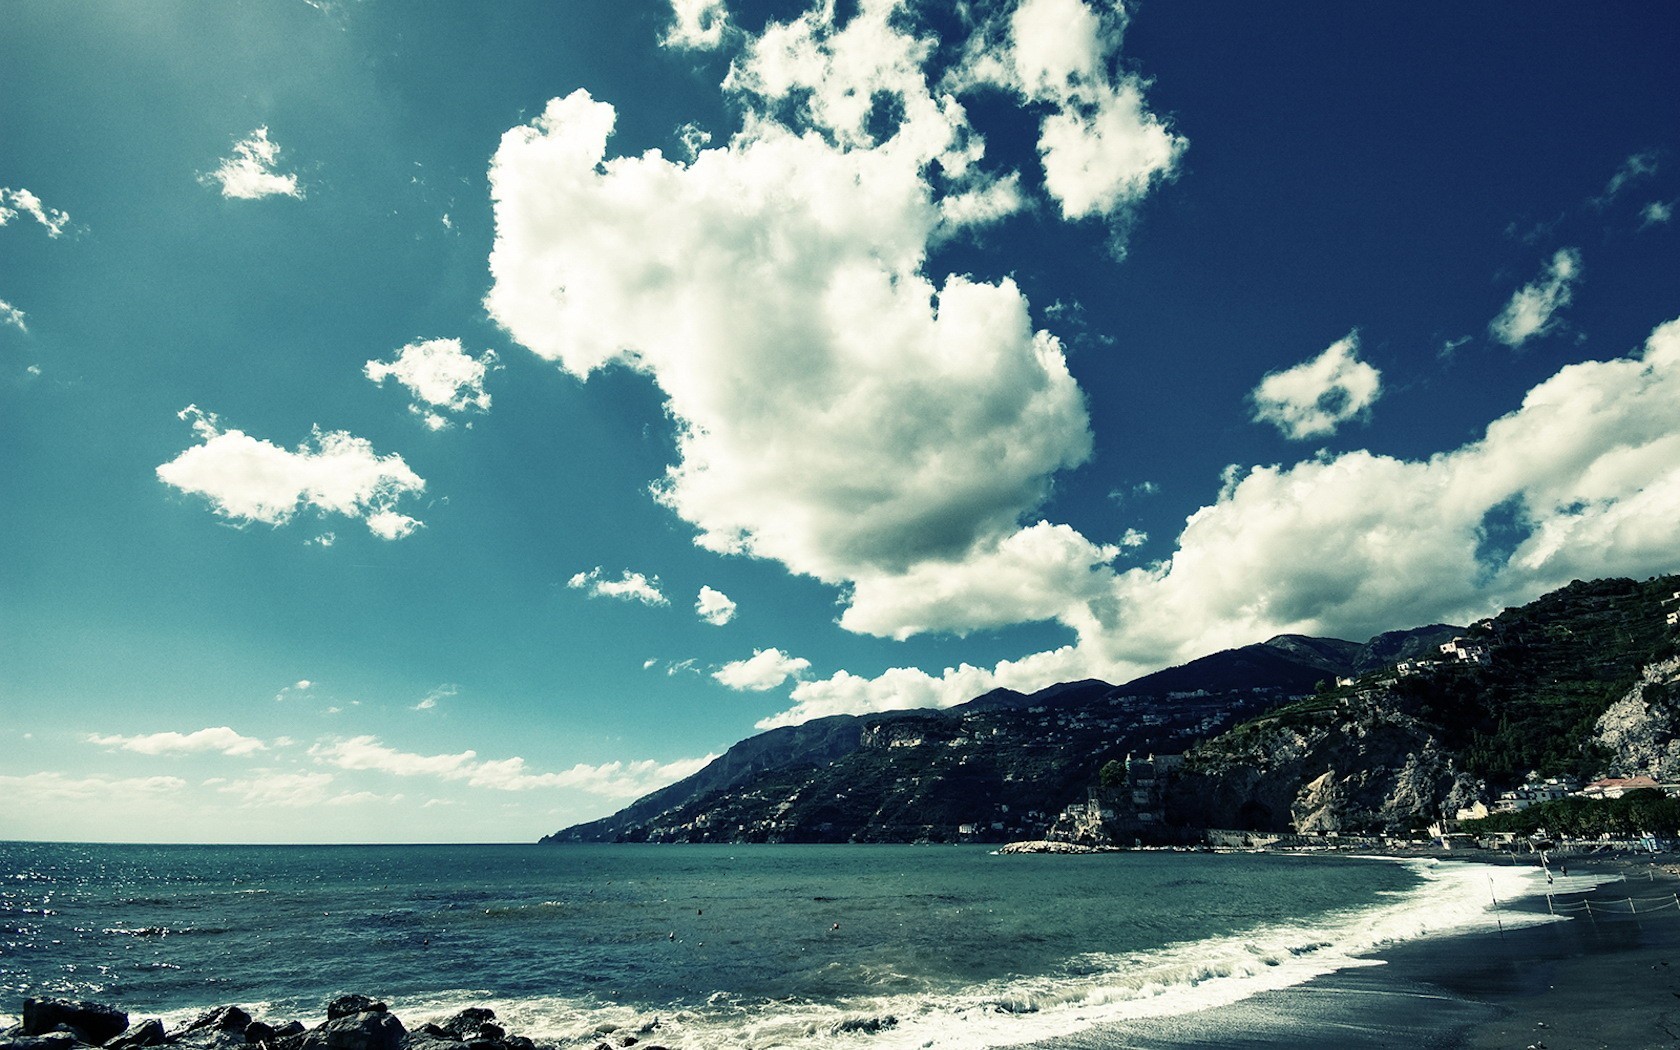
(93, 1023)
(472, 1019)
(147, 1033)
(221, 1019)
(209, 1039)
(347, 1005)
(430, 1032)
(368, 1030)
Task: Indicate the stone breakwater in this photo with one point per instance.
(354, 1022)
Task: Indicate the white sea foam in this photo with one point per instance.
(1095, 989)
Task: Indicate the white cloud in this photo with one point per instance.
(836, 411)
(714, 607)
(765, 669)
(1656, 213)
(430, 700)
(697, 25)
(248, 479)
(612, 779)
(1533, 306)
(269, 788)
(837, 408)
(57, 788)
(1587, 471)
(439, 374)
(1101, 148)
(302, 685)
(22, 202)
(250, 173)
(1636, 167)
(1134, 538)
(630, 587)
(1315, 397)
(1044, 572)
(219, 738)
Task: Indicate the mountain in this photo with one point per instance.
(1294, 733)
(1000, 766)
(1579, 683)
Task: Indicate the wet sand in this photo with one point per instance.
(1601, 979)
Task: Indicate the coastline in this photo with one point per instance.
(1598, 979)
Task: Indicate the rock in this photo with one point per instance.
(259, 1032)
(147, 1033)
(347, 1005)
(46, 1041)
(369, 1030)
(221, 1019)
(469, 1020)
(210, 1039)
(96, 1021)
(1640, 729)
(289, 1029)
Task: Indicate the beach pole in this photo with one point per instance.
(1496, 915)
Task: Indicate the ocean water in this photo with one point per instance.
(723, 946)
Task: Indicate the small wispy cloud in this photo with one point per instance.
(1533, 308)
(430, 700)
(630, 587)
(611, 779)
(1656, 213)
(218, 738)
(1636, 167)
(23, 202)
(251, 173)
(440, 377)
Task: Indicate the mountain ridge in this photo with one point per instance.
(1101, 721)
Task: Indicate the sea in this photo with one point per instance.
(715, 946)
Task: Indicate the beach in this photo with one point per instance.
(1606, 977)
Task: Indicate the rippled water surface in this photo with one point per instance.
(787, 943)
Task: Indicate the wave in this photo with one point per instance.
(1090, 990)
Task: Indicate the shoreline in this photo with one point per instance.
(1599, 978)
(1482, 981)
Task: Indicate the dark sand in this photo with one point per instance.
(1604, 981)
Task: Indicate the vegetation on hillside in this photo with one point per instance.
(1557, 664)
(1647, 812)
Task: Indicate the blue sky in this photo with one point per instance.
(449, 424)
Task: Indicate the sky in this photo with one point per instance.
(449, 423)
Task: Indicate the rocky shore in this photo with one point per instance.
(354, 1022)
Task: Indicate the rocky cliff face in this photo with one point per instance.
(1370, 767)
(1584, 681)
(1640, 730)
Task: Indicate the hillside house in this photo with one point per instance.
(1534, 792)
(1616, 787)
(1465, 651)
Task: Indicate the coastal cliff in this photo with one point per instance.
(1579, 684)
